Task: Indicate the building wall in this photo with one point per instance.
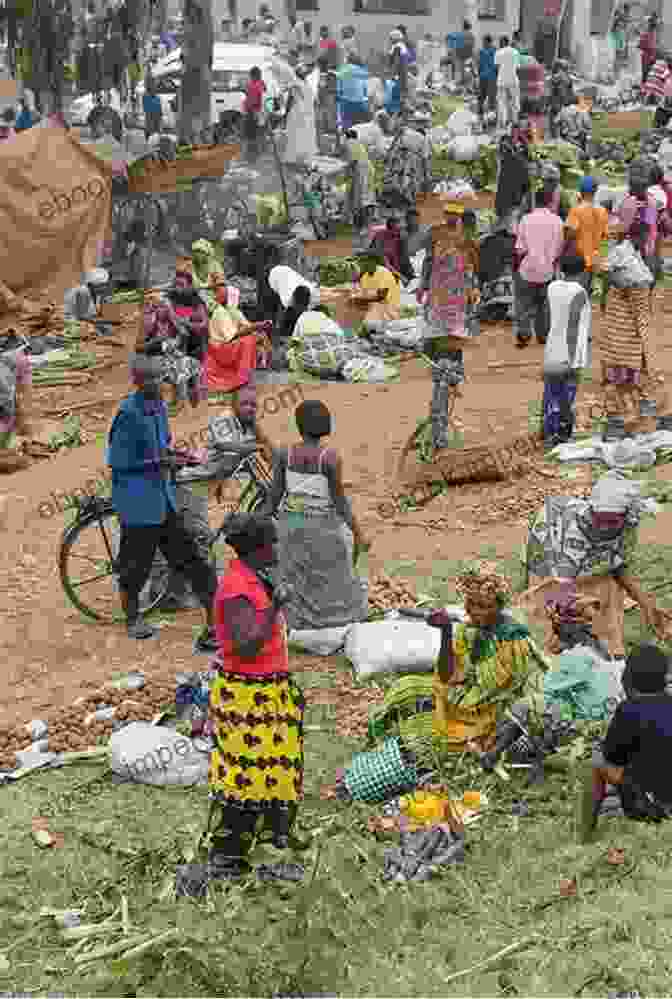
(373, 28)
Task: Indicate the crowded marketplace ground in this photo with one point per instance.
(441, 691)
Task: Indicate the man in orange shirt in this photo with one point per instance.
(590, 226)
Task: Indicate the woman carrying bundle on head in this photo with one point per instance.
(448, 290)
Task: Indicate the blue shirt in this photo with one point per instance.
(24, 120)
(151, 103)
(141, 493)
(640, 739)
(487, 70)
(352, 86)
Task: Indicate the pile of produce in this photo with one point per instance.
(158, 161)
(480, 172)
(336, 271)
(387, 593)
(68, 730)
(270, 209)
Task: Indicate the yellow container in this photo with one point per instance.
(424, 807)
(471, 799)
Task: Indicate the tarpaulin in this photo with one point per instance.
(55, 201)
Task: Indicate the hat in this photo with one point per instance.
(396, 36)
(646, 670)
(588, 185)
(96, 277)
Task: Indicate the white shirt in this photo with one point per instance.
(566, 348)
(284, 281)
(316, 323)
(506, 62)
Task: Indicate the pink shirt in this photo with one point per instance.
(540, 242)
(628, 213)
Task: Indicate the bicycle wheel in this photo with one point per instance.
(87, 564)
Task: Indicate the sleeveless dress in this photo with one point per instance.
(316, 549)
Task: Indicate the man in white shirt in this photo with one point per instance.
(508, 85)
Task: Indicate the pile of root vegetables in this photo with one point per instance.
(74, 729)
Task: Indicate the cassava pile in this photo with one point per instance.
(68, 731)
(389, 594)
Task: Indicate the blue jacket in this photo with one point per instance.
(24, 120)
(141, 493)
(352, 86)
(151, 104)
(487, 70)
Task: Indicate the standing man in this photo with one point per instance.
(538, 247)
(590, 224)
(508, 85)
(466, 49)
(232, 435)
(144, 497)
(487, 77)
(328, 49)
(151, 105)
(648, 46)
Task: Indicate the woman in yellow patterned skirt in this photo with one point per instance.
(256, 768)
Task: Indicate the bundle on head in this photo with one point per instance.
(484, 579)
(571, 616)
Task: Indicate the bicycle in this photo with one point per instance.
(96, 521)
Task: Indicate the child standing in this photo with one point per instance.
(590, 224)
(567, 350)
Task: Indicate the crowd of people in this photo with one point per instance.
(296, 557)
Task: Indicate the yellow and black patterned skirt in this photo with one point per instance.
(257, 762)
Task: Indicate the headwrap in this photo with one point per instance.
(247, 533)
(483, 578)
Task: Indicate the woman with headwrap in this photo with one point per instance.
(186, 351)
(407, 170)
(623, 341)
(232, 351)
(636, 749)
(320, 538)
(256, 767)
(590, 543)
(483, 667)
(448, 291)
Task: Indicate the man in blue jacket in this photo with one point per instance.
(144, 497)
(487, 77)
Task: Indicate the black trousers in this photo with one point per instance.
(487, 94)
(138, 547)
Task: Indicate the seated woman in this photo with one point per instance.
(232, 350)
(186, 351)
(378, 293)
(636, 747)
(319, 346)
(389, 241)
(483, 667)
(320, 538)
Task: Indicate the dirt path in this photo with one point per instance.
(51, 655)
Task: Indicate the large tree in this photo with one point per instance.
(197, 52)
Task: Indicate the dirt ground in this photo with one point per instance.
(51, 655)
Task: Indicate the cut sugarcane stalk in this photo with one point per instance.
(116, 948)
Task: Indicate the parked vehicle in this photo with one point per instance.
(231, 67)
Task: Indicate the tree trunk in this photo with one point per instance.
(197, 80)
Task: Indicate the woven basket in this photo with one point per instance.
(205, 161)
(430, 206)
(494, 462)
(337, 246)
(381, 774)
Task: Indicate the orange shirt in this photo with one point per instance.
(241, 581)
(591, 224)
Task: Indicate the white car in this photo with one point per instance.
(167, 91)
(231, 65)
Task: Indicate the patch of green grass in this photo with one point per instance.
(443, 107)
(344, 931)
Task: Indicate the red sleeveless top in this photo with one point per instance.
(241, 581)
